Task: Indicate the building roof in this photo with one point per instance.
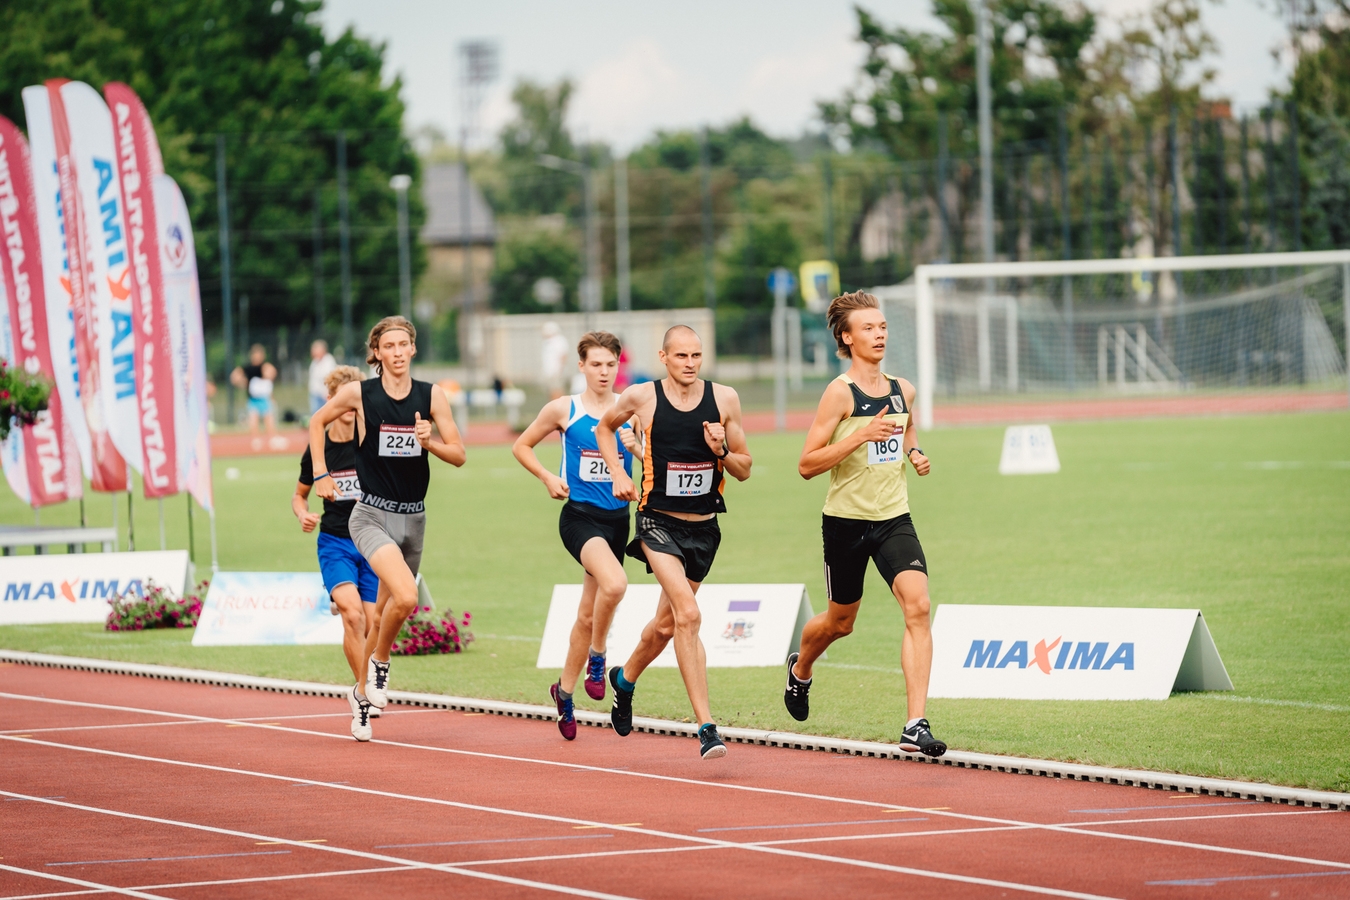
(441, 186)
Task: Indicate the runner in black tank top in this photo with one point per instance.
(389, 521)
(693, 436)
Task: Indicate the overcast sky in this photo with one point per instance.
(643, 66)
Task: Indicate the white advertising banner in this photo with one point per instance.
(1072, 653)
(1028, 450)
(266, 608)
(76, 587)
(743, 624)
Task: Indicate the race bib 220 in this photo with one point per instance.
(346, 486)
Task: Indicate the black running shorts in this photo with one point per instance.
(892, 544)
(580, 522)
(694, 542)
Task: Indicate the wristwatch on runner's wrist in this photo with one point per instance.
(726, 451)
(913, 449)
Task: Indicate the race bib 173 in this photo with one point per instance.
(399, 440)
(346, 486)
(688, 479)
(592, 467)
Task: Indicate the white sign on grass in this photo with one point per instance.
(1028, 450)
(266, 608)
(743, 624)
(1072, 653)
(76, 587)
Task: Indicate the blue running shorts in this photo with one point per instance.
(341, 563)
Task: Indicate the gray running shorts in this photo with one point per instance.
(372, 528)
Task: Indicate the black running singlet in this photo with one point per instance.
(680, 472)
(393, 467)
(340, 457)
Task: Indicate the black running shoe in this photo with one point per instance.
(710, 743)
(621, 714)
(919, 739)
(797, 697)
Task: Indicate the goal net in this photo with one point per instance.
(1215, 325)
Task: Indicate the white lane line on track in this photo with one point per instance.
(1071, 828)
(864, 864)
(320, 848)
(221, 881)
(194, 721)
(103, 888)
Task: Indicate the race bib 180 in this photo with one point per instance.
(688, 479)
(346, 486)
(887, 451)
(399, 440)
(593, 468)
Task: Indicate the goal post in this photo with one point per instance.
(1105, 327)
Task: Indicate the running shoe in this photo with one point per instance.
(595, 676)
(797, 695)
(919, 739)
(377, 683)
(567, 720)
(360, 715)
(621, 715)
(710, 744)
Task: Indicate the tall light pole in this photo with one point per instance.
(590, 284)
(621, 263)
(477, 69)
(400, 184)
(986, 185)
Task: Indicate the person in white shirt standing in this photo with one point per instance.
(321, 363)
(553, 361)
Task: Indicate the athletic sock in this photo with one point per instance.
(593, 652)
(563, 695)
(912, 722)
(624, 683)
(703, 726)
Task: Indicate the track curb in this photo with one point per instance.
(1266, 793)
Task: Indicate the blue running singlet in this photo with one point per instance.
(583, 469)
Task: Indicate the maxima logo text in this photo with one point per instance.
(1071, 655)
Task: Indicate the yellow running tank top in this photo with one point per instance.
(870, 483)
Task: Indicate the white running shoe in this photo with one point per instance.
(360, 715)
(377, 683)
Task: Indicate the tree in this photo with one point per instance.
(261, 73)
(540, 127)
(524, 259)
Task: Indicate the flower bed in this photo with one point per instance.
(428, 631)
(159, 608)
(22, 396)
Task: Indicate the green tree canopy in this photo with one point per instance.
(261, 73)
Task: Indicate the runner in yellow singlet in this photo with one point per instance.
(863, 435)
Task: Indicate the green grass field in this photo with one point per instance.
(1246, 518)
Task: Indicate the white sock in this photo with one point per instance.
(912, 722)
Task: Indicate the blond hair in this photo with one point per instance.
(340, 376)
(601, 339)
(388, 323)
(841, 308)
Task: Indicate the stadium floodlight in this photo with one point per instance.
(1223, 323)
(400, 185)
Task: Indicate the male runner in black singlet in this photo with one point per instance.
(389, 520)
(693, 434)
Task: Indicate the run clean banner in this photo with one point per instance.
(244, 608)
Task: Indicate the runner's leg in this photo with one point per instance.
(611, 582)
(655, 635)
(372, 636)
(398, 597)
(669, 571)
(580, 638)
(916, 657)
(823, 630)
(353, 615)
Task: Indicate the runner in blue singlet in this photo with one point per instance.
(593, 523)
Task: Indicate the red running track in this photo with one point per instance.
(128, 786)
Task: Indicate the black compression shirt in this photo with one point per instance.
(680, 472)
(341, 461)
(393, 467)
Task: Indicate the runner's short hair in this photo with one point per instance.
(388, 323)
(602, 339)
(340, 376)
(841, 308)
(677, 329)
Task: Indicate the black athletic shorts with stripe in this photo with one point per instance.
(695, 543)
(891, 544)
(579, 522)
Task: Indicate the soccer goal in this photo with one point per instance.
(1103, 328)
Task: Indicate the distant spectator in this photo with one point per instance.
(321, 362)
(258, 377)
(556, 353)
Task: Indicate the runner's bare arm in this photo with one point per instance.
(450, 448)
(347, 398)
(819, 455)
(300, 506)
(550, 419)
(729, 433)
(629, 404)
(920, 462)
